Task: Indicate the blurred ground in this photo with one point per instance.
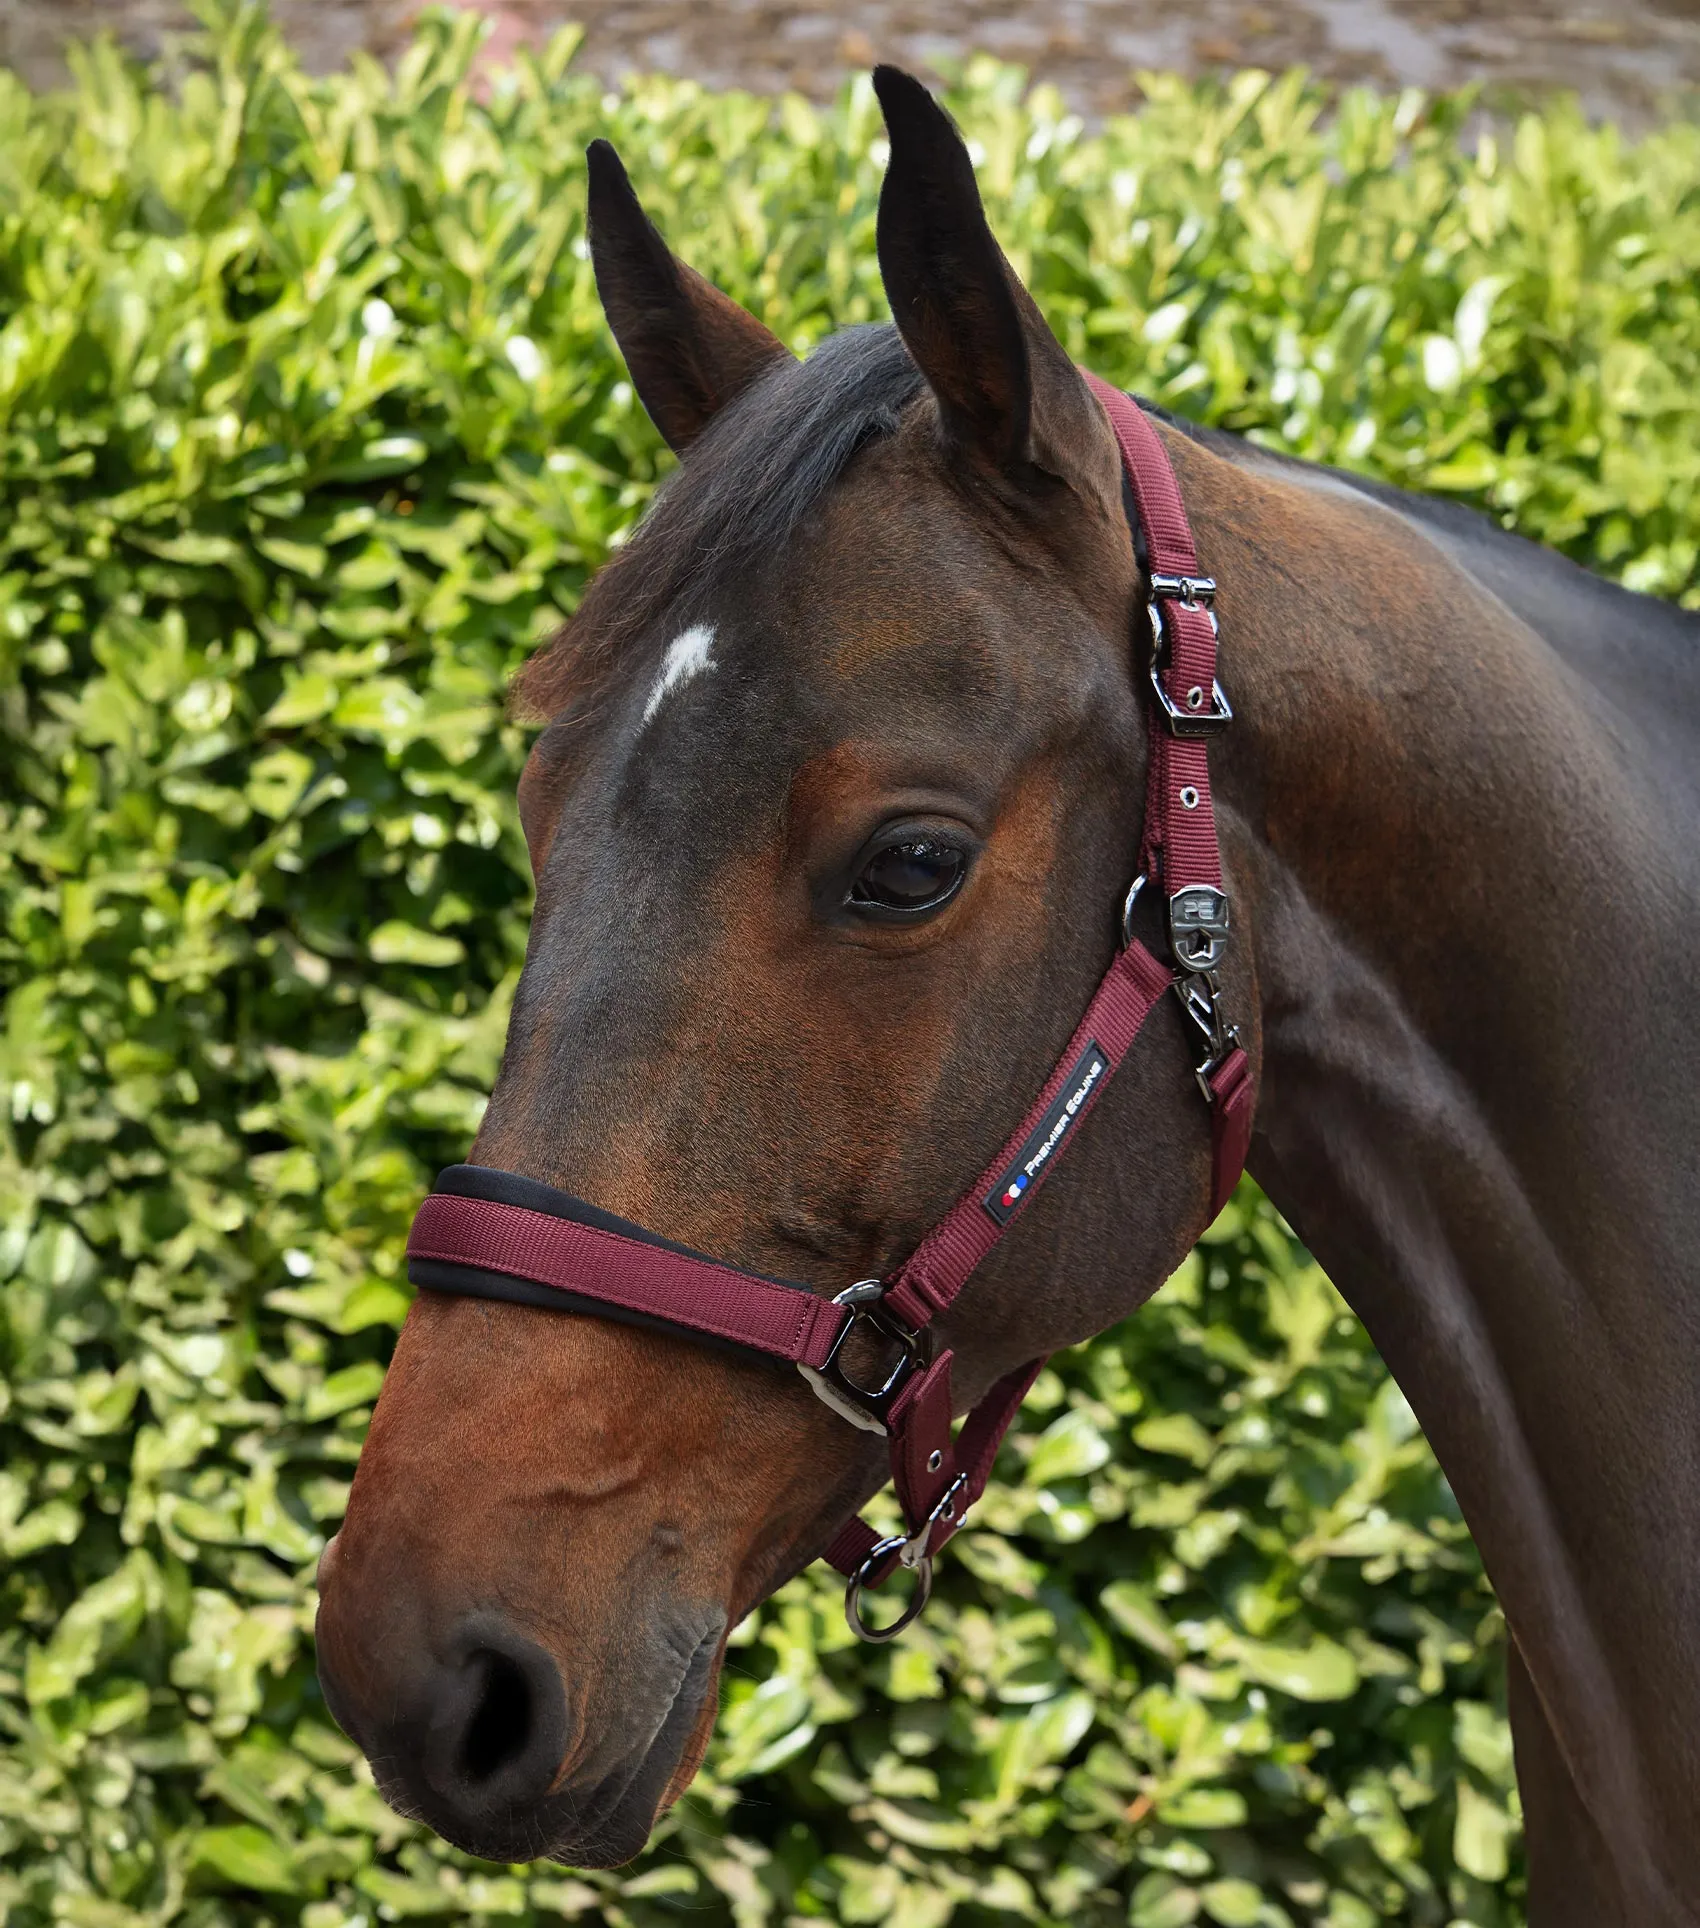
(1622, 56)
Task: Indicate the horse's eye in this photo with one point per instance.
(918, 874)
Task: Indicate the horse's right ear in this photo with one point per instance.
(1007, 393)
(690, 348)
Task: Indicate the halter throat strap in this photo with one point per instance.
(496, 1234)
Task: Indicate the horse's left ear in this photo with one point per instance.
(1007, 392)
(690, 348)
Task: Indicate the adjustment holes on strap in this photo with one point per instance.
(935, 1459)
(1195, 697)
(1189, 797)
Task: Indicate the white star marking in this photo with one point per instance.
(687, 656)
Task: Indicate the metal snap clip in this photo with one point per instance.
(913, 1551)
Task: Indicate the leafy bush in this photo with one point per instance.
(311, 428)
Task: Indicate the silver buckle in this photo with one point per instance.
(1187, 720)
(1191, 592)
(868, 1407)
(1199, 712)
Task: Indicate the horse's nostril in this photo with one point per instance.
(496, 1719)
(502, 1722)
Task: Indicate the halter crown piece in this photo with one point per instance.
(495, 1234)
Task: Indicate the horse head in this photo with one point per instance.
(832, 816)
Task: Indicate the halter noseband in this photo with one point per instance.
(495, 1234)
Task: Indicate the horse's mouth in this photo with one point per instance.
(599, 1825)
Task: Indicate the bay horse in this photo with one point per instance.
(831, 821)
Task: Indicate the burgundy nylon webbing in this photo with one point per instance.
(1180, 841)
(781, 1320)
(929, 1280)
(1184, 834)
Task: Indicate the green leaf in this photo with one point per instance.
(1480, 1835)
(356, 1385)
(397, 943)
(1483, 1738)
(304, 700)
(1066, 1449)
(1160, 1901)
(1233, 1902)
(766, 1727)
(1134, 1610)
(246, 1857)
(1203, 1807)
(1323, 1670)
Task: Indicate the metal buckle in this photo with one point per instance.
(1186, 721)
(1198, 926)
(1189, 717)
(912, 1552)
(1191, 592)
(868, 1407)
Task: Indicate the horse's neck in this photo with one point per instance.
(1467, 905)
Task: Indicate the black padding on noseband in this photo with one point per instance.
(532, 1195)
(472, 1282)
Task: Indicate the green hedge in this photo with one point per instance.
(310, 429)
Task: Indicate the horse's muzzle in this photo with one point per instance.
(474, 1737)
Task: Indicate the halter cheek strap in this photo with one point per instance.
(496, 1234)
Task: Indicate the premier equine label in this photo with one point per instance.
(1027, 1167)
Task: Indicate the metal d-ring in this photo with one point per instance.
(1128, 903)
(862, 1578)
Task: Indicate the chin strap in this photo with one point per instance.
(498, 1235)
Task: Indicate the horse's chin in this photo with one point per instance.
(605, 1841)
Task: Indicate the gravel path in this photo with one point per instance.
(1622, 56)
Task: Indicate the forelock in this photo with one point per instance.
(751, 477)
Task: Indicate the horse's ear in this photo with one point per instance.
(1006, 390)
(690, 348)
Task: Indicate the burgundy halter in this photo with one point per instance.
(494, 1234)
